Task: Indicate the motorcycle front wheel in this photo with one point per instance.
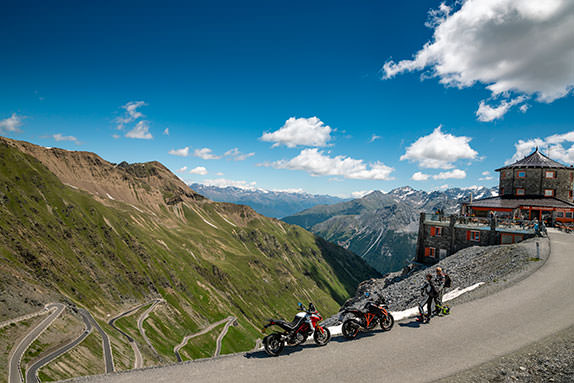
(350, 329)
(273, 344)
(387, 322)
(322, 337)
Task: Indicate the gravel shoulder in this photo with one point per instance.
(499, 267)
(550, 360)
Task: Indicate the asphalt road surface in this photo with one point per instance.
(108, 356)
(14, 375)
(475, 332)
(32, 372)
(138, 363)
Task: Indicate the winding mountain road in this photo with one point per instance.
(228, 321)
(476, 332)
(138, 363)
(106, 345)
(14, 375)
(142, 319)
(32, 372)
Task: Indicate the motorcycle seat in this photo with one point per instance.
(289, 326)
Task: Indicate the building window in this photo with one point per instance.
(559, 214)
(430, 252)
(548, 192)
(570, 194)
(501, 191)
(519, 191)
(473, 235)
(550, 174)
(521, 174)
(568, 214)
(442, 253)
(435, 231)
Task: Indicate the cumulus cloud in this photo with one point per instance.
(455, 173)
(300, 132)
(361, 193)
(131, 113)
(237, 155)
(374, 137)
(60, 137)
(487, 113)
(486, 176)
(314, 162)
(521, 47)
(140, 131)
(222, 182)
(183, 152)
(198, 170)
(206, 154)
(439, 150)
(182, 170)
(11, 124)
(166, 131)
(557, 146)
(420, 176)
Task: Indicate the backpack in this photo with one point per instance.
(447, 281)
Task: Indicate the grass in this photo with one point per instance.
(102, 257)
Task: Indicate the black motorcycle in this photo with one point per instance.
(366, 319)
(296, 332)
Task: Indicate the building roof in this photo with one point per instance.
(513, 203)
(535, 160)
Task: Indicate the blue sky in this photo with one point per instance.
(219, 75)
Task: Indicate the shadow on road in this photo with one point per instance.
(412, 324)
(342, 339)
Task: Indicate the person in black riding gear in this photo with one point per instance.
(430, 292)
(439, 280)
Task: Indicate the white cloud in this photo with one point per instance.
(206, 154)
(316, 163)
(455, 173)
(59, 137)
(487, 113)
(487, 178)
(198, 170)
(556, 146)
(183, 152)
(524, 108)
(219, 174)
(11, 124)
(420, 176)
(374, 137)
(166, 131)
(116, 136)
(140, 131)
(237, 155)
(443, 187)
(525, 47)
(182, 170)
(439, 150)
(361, 193)
(485, 173)
(222, 182)
(300, 132)
(131, 113)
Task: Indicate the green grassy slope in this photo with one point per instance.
(109, 257)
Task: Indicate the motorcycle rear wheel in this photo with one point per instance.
(350, 329)
(322, 337)
(273, 344)
(387, 322)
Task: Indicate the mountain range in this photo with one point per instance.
(270, 203)
(106, 237)
(382, 227)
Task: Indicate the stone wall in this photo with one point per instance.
(535, 182)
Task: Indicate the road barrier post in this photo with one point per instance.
(537, 250)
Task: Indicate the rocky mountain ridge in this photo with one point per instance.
(382, 227)
(270, 203)
(106, 237)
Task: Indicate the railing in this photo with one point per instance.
(472, 221)
(499, 223)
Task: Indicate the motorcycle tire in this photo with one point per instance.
(387, 322)
(322, 337)
(273, 344)
(350, 329)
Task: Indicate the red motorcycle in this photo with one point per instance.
(373, 313)
(296, 332)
